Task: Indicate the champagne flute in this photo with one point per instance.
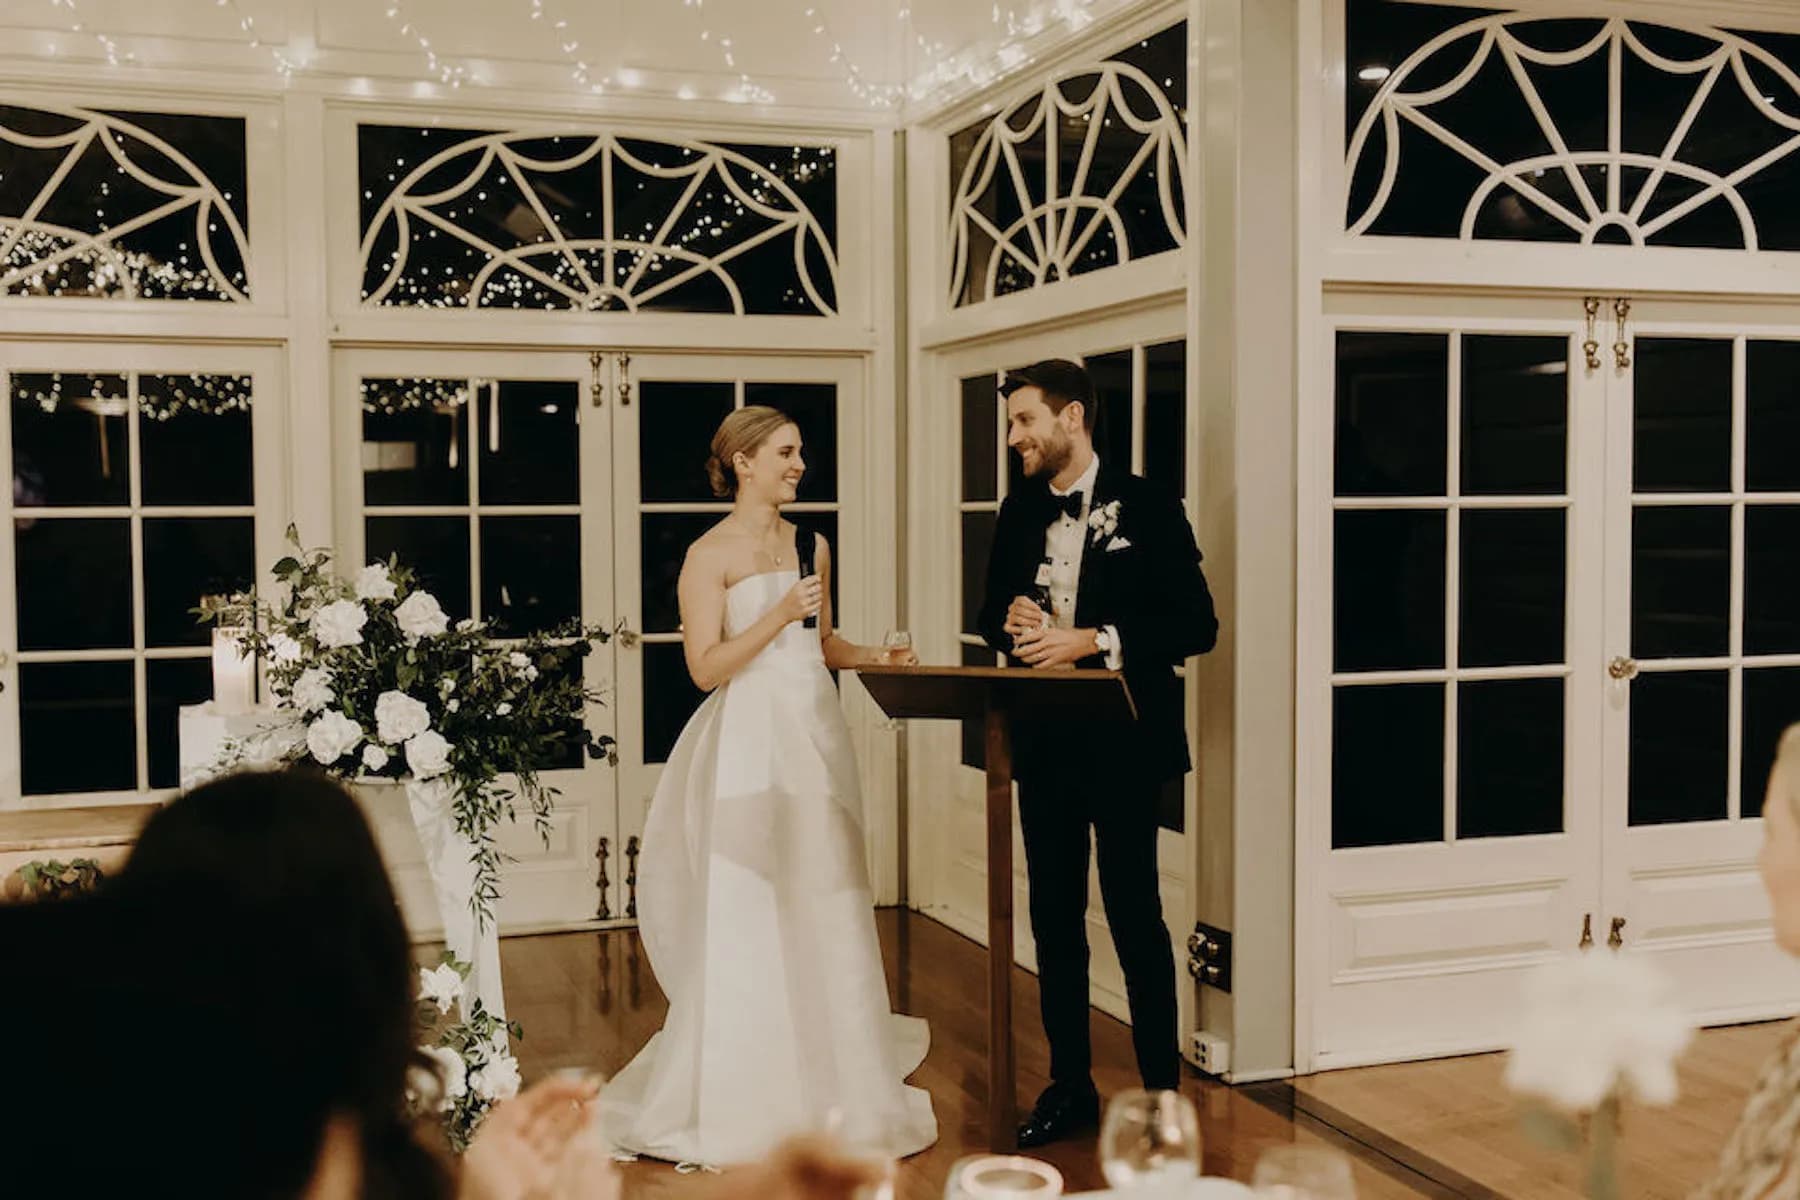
(1303, 1173)
(1150, 1140)
(896, 646)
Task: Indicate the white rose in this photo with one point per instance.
(453, 706)
(446, 685)
(339, 624)
(498, 1080)
(374, 757)
(452, 1072)
(332, 736)
(441, 985)
(398, 717)
(531, 672)
(312, 691)
(374, 583)
(420, 616)
(502, 709)
(285, 649)
(518, 660)
(428, 754)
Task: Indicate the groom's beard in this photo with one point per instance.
(1053, 455)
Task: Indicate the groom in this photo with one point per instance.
(1117, 560)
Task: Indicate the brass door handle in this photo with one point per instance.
(1587, 932)
(1622, 668)
(1616, 938)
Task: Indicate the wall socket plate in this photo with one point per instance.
(1211, 1053)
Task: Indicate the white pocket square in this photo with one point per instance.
(1118, 543)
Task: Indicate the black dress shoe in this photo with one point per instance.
(1061, 1112)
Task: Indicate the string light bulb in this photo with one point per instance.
(448, 73)
(114, 54)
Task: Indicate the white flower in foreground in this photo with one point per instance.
(497, 1080)
(284, 649)
(453, 706)
(420, 616)
(521, 661)
(1595, 1023)
(339, 624)
(446, 685)
(503, 709)
(398, 717)
(374, 757)
(441, 985)
(428, 755)
(312, 691)
(374, 583)
(468, 625)
(332, 736)
(531, 672)
(452, 1072)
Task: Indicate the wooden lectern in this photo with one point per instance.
(996, 695)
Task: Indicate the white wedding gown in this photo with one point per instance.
(756, 913)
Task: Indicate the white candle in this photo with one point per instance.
(234, 674)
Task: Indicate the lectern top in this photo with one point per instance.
(957, 693)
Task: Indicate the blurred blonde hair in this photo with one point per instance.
(1784, 775)
(743, 432)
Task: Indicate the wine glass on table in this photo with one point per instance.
(1150, 1141)
(1302, 1173)
(896, 647)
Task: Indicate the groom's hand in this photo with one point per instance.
(1023, 616)
(1051, 647)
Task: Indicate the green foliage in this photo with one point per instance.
(54, 880)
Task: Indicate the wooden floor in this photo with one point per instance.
(1440, 1129)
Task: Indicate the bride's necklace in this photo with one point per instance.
(777, 556)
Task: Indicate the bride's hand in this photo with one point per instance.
(803, 600)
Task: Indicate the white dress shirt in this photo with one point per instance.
(1064, 541)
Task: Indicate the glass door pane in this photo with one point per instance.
(665, 410)
(489, 474)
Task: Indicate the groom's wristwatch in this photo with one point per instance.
(1102, 642)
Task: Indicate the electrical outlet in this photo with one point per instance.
(1212, 1053)
(1209, 956)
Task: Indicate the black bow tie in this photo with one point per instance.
(1069, 505)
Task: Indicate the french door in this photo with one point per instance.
(530, 487)
(1139, 367)
(1547, 684)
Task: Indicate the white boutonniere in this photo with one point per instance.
(1103, 522)
(1117, 544)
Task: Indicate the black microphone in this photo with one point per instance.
(803, 550)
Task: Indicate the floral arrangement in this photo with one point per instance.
(1598, 1028)
(472, 1068)
(382, 686)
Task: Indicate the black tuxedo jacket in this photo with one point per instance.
(1152, 591)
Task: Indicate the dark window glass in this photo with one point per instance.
(1389, 590)
(980, 438)
(1772, 579)
(1512, 586)
(1681, 390)
(676, 422)
(1515, 402)
(194, 440)
(1378, 797)
(1509, 757)
(666, 538)
(1772, 417)
(70, 440)
(1111, 374)
(172, 683)
(977, 544)
(670, 698)
(77, 727)
(62, 608)
(528, 436)
(436, 548)
(1680, 581)
(415, 441)
(1165, 415)
(186, 558)
(1392, 390)
(530, 572)
(1679, 736)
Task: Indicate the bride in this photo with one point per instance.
(754, 897)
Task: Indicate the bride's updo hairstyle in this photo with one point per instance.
(743, 432)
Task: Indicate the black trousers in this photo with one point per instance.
(1055, 816)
